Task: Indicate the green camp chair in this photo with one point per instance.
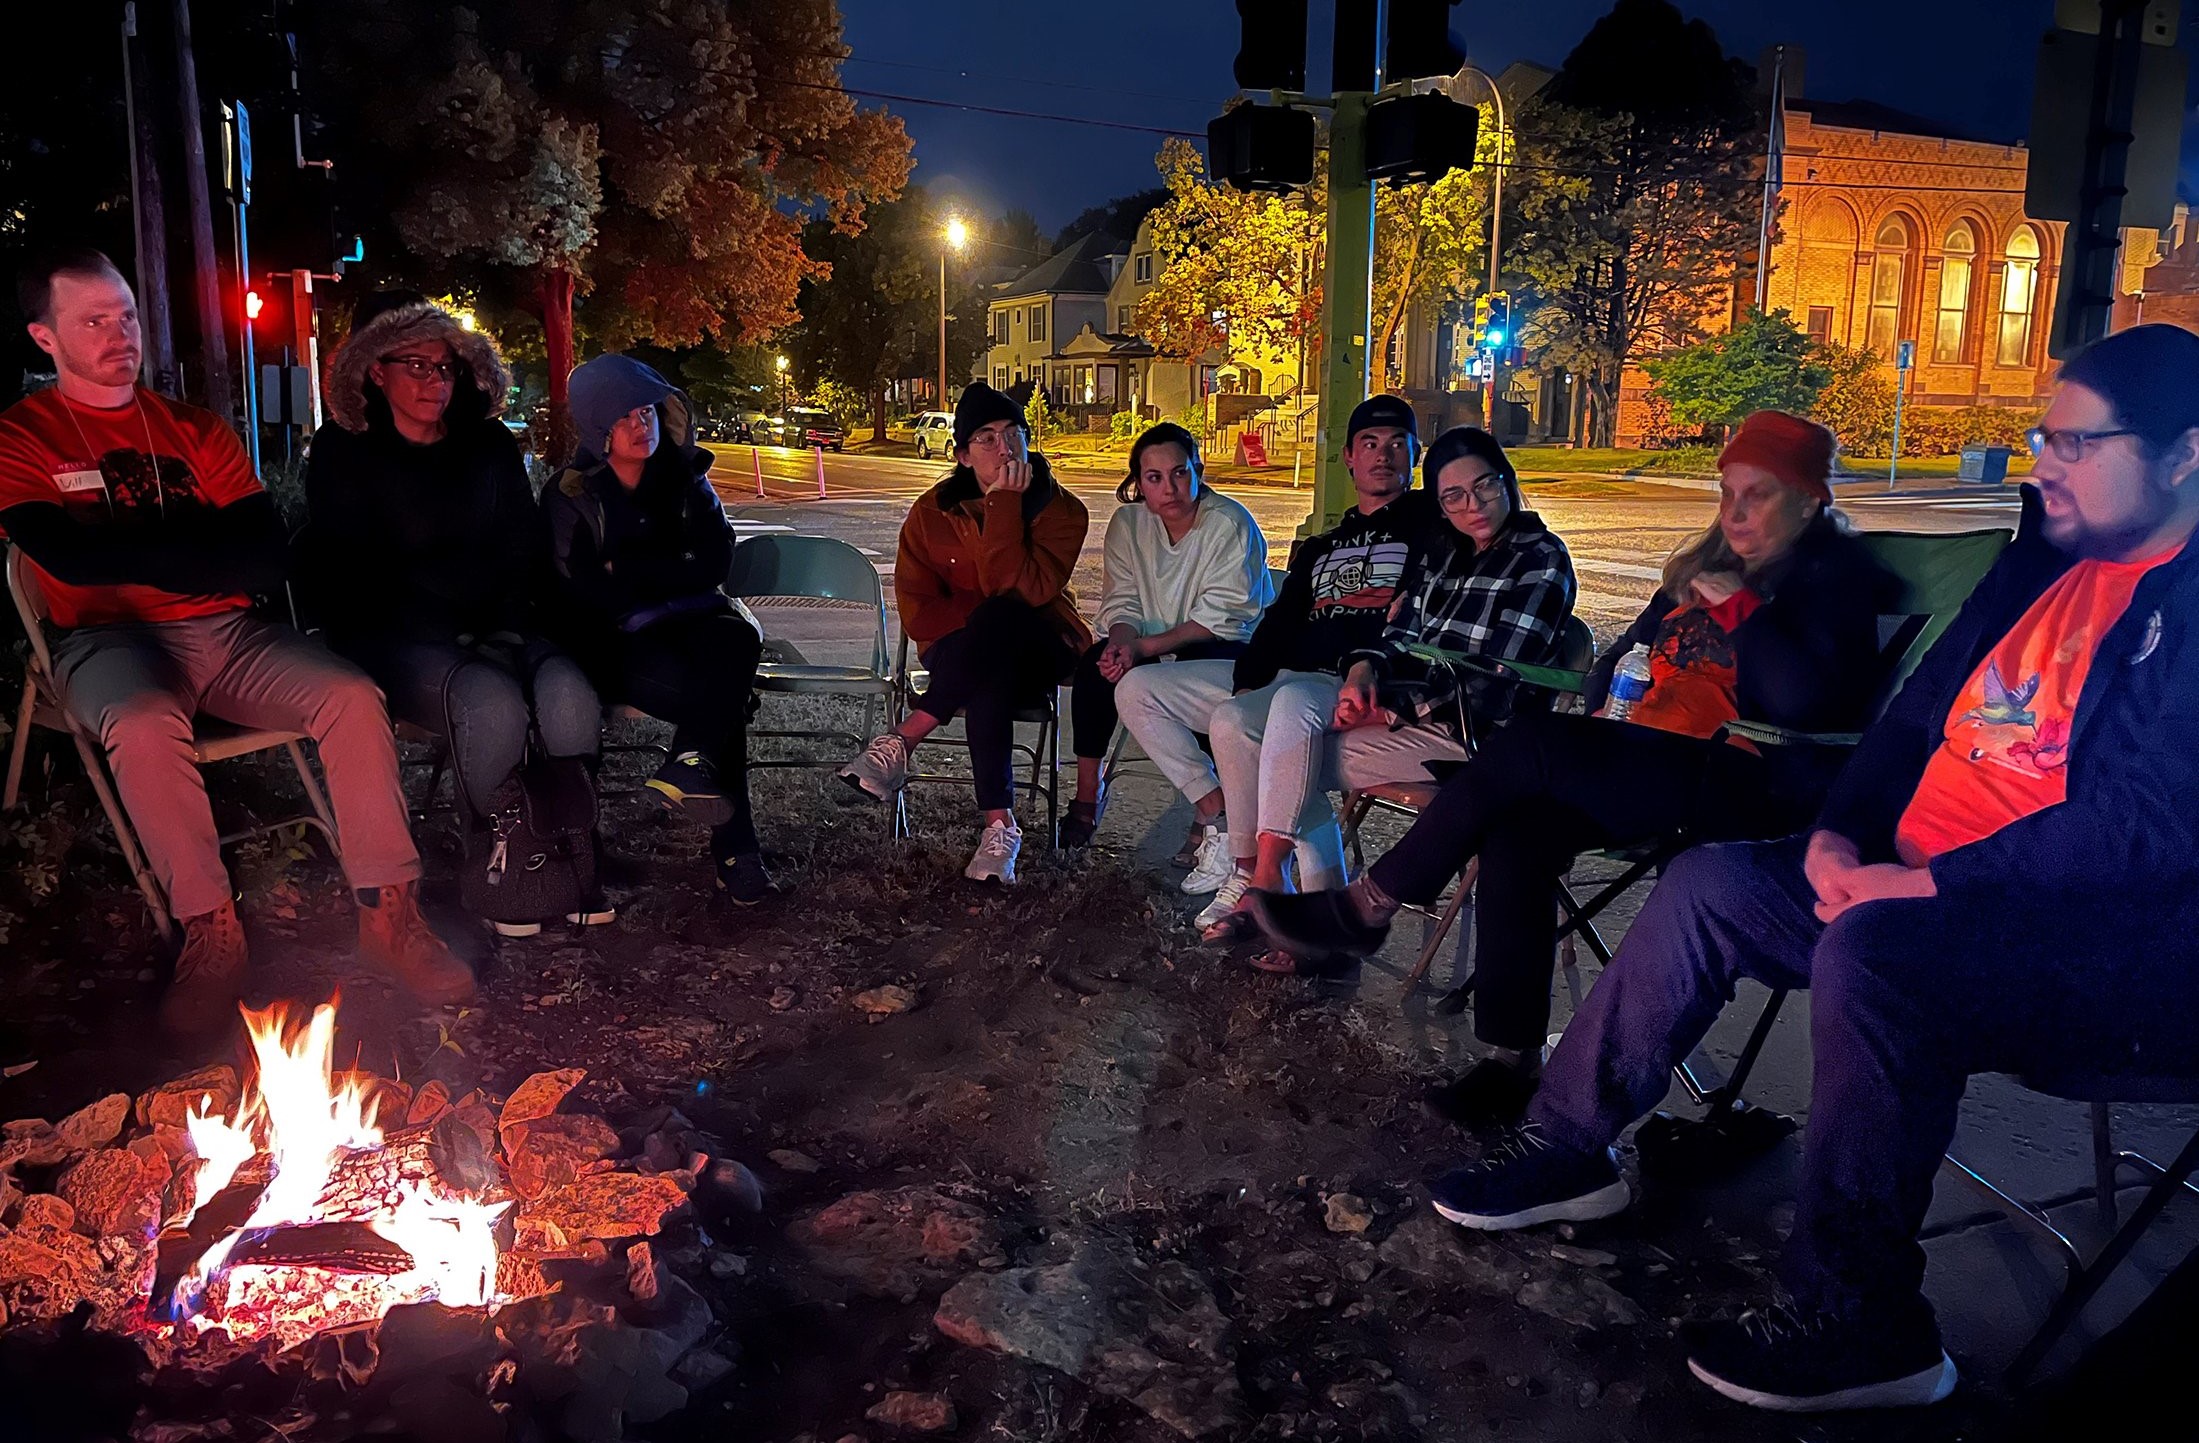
(825, 569)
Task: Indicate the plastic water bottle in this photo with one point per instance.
(1629, 683)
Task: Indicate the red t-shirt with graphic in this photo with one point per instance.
(134, 465)
(2004, 753)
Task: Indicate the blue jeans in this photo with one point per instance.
(472, 697)
(1910, 997)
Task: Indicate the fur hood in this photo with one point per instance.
(346, 389)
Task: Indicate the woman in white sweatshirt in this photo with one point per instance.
(1185, 578)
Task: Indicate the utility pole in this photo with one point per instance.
(149, 218)
(1347, 312)
(1496, 232)
(205, 259)
(1775, 143)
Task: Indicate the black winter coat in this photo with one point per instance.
(623, 559)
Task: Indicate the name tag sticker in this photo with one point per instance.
(79, 481)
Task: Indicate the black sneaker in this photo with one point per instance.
(1790, 1361)
(743, 879)
(1315, 926)
(1525, 1179)
(1491, 1094)
(689, 786)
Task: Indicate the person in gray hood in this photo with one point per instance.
(423, 552)
(640, 546)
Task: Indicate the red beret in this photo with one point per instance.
(1797, 451)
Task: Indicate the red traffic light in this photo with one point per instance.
(252, 305)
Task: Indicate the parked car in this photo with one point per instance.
(934, 434)
(808, 426)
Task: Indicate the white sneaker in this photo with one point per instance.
(1226, 897)
(880, 769)
(1213, 864)
(995, 857)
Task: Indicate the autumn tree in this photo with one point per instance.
(659, 157)
(1431, 242)
(1228, 262)
(1636, 198)
(1766, 363)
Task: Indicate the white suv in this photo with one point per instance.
(934, 434)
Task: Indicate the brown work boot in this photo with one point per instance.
(210, 973)
(393, 934)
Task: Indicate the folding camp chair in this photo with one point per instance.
(1044, 751)
(1936, 573)
(212, 741)
(2081, 1280)
(1576, 651)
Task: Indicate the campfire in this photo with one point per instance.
(292, 1217)
(307, 1208)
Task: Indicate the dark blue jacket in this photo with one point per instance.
(2127, 825)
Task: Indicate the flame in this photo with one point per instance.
(306, 1125)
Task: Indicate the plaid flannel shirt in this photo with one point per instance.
(1508, 601)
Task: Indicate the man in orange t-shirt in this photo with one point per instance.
(2005, 878)
(144, 532)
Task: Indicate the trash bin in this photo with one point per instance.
(1984, 465)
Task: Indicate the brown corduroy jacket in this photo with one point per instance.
(960, 546)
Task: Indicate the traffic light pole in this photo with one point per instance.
(1348, 306)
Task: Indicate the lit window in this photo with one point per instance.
(2019, 289)
(1888, 268)
(1954, 293)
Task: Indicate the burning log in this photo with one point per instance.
(179, 1249)
(342, 1247)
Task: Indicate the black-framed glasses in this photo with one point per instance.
(420, 368)
(2067, 445)
(1484, 493)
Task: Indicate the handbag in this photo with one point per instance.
(532, 858)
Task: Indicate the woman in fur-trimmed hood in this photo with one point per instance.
(424, 552)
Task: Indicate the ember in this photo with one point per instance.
(294, 1225)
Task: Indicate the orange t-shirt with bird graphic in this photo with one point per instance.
(2005, 751)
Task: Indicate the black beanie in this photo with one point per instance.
(1381, 411)
(981, 405)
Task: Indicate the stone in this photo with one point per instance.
(172, 1102)
(44, 1272)
(898, 1243)
(44, 1210)
(552, 1151)
(1580, 1300)
(644, 1273)
(1348, 1213)
(732, 1183)
(31, 1142)
(728, 1265)
(538, 1096)
(607, 1206)
(783, 998)
(113, 1192)
(1151, 1334)
(792, 1161)
(885, 1001)
(914, 1412)
(96, 1124)
(701, 1369)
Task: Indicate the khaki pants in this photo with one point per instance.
(138, 686)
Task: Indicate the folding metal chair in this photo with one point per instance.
(1044, 752)
(2081, 1281)
(212, 741)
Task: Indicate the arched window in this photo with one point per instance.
(2019, 290)
(1888, 267)
(1959, 256)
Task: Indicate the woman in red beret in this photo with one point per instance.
(1770, 615)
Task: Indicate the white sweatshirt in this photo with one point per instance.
(1216, 576)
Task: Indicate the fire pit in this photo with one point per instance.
(219, 1218)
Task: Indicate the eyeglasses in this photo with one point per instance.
(420, 368)
(1483, 493)
(2067, 445)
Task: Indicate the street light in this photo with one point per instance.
(782, 385)
(956, 234)
(1496, 217)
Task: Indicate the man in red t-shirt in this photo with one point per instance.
(2005, 878)
(145, 531)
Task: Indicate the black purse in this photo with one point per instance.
(533, 857)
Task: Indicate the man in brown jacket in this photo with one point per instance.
(982, 582)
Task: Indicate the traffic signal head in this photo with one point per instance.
(252, 305)
(1499, 329)
(1481, 318)
(1419, 41)
(1261, 147)
(1271, 51)
(1419, 137)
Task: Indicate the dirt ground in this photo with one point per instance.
(1077, 1071)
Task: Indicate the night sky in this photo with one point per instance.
(1166, 64)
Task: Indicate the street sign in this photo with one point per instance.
(1904, 355)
